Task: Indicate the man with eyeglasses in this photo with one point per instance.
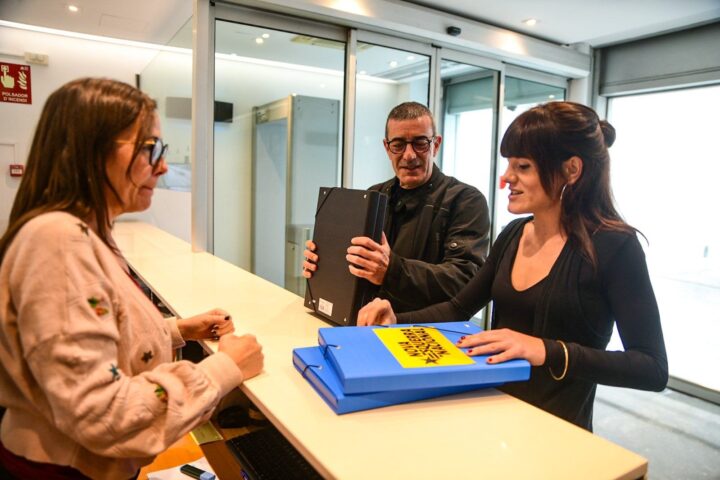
(436, 231)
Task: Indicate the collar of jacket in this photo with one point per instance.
(411, 199)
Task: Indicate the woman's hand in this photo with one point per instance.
(505, 344)
(377, 312)
(245, 351)
(208, 325)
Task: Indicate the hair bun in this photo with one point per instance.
(608, 132)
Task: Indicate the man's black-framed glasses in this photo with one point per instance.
(419, 144)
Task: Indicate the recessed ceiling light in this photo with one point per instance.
(259, 41)
(551, 97)
(393, 64)
(73, 8)
(265, 35)
(411, 57)
(530, 22)
(363, 72)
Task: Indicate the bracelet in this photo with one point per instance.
(566, 363)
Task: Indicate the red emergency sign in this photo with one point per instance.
(15, 84)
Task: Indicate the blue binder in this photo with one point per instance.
(309, 361)
(364, 363)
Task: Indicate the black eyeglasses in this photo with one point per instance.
(419, 144)
(155, 147)
(157, 150)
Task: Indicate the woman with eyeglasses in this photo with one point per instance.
(86, 370)
(562, 277)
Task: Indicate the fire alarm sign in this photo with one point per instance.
(16, 169)
(15, 83)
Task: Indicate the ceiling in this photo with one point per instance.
(559, 21)
(152, 21)
(595, 22)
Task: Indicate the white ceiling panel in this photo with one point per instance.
(595, 22)
(152, 21)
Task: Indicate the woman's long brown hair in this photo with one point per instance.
(550, 134)
(75, 136)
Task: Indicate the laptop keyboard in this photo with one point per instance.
(266, 454)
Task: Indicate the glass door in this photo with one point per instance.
(468, 116)
(467, 119)
(521, 94)
(664, 164)
(280, 143)
(389, 72)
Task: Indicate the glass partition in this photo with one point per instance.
(277, 140)
(168, 80)
(468, 99)
(520, 95)
(468, 105)
(385, 78)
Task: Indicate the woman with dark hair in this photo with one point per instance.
(86, 370)
(561, 277)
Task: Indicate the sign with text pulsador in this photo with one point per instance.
(15, 83)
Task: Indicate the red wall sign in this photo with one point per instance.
(15, 83)
(16, 169)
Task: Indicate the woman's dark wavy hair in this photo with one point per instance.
(551, 133)
(75, 136)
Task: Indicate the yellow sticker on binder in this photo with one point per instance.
(417, 347)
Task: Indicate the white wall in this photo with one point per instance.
(70, 58)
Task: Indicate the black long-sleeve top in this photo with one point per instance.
(577, 304)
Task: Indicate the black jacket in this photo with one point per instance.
(438, 234)
(579, 306)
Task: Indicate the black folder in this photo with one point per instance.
(333, 292)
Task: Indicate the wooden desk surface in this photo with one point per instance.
(485, 433)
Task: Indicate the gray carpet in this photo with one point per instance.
(677, 433)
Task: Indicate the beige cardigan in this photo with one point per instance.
(86, 369)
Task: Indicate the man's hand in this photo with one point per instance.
(208, 325)
(377, 312)
(311, 259)
(369, 259)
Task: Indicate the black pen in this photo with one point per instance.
(195, 472)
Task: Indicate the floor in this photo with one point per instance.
(677, 433)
